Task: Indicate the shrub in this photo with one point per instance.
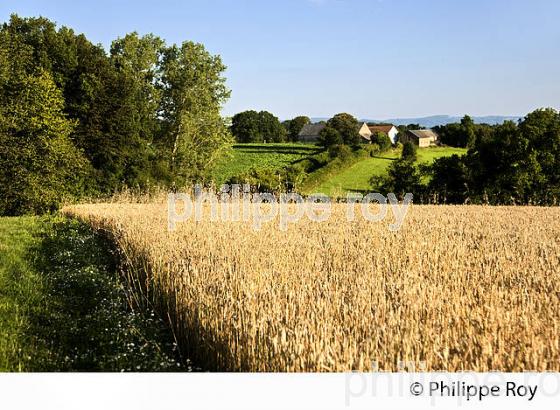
(314, 162)
(329, 136)
(39, 165)
(382, 140)
(402, 177)
(372, 149)
(269, 180)
(340, 151)
(409, 151)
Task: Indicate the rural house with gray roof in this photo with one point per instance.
(310, 132)
(422, 138)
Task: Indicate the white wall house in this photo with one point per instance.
(388, 129)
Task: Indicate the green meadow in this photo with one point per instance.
(357, 176)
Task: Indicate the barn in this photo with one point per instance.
(422, 138)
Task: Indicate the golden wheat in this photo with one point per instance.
(457, 288)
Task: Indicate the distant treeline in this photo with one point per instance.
(252, 126)
(263, 126)
(76, 120)
(506, 164)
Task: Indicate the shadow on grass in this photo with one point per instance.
(276, 151)
(389, 158)
(351, 190)
(84, 321)
(276, 148)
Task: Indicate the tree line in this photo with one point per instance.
(77, 120)
(253, 127)
(256, 127)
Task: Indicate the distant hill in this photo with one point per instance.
(435, 120)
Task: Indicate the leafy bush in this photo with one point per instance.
(409, 151)
(315, 162)
(40, 166)
(329, 136)
(402, 177)
(372, 149)
(340, 151)
(382, 140)
(270, 180)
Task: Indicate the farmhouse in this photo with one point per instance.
(389, 129)
(422, 138)
(310, 132)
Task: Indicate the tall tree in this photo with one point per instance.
(504, 168)
(541, 128)
(295, 125)
(270, 128)
(253, 126)
(136, 64)
(245, 127)
(469, 131)
(84, 73)
(193, 91)
(144, 112)
(449, 180)
(348, 128)
(136, 61)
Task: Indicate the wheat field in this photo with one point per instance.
(456, 288)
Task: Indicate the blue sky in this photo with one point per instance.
(375, 59)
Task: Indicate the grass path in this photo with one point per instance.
(18, 283)
(357, 176)
(63, 307)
